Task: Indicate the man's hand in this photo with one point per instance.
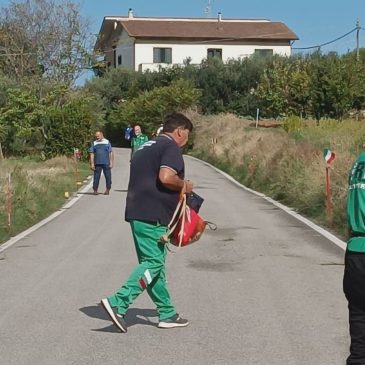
(92, 161)
(188, 186)
(111, 165)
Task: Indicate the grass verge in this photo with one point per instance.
(37, 189)
(287, 163)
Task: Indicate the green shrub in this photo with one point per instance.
(150, 108)
(293, 124)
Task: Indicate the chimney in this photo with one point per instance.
(130, 13)
(219, 17)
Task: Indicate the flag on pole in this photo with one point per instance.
(328, 155)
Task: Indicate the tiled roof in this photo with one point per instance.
(230, 30)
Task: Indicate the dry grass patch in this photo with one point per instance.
(289, 166)
(37, 190)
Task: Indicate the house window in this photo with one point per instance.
(162, 55)
(119, 60)
(215, 52)
(114, 56)
(264, 52)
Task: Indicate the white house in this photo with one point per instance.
(148, 43)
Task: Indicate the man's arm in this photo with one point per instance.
(171, 180)
(111, 159)
(92, 164)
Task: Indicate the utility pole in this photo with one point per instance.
(357, 40)
(208, 9)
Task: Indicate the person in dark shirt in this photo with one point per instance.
(354, 272)
(101, 159)
(156, 180)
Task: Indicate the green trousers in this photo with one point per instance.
(149, 274)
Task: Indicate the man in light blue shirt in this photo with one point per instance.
(101, 159)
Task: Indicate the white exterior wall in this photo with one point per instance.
(198, 52)
(125, 48)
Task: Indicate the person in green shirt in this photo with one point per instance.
(139, 139)
(354, 273)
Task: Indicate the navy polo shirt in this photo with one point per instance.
(101, 150)
(147, 199)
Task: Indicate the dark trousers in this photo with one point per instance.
(354, 289)
(107, 173)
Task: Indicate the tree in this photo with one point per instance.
(19, 119)
(330, 89)
(44, 38)
(228, 86)
(273, 90)
(71, 125)
(284, 87)
(3, 133)
(150, 107)
(211, 80)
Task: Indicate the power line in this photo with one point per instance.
(265, 37)
(218, 40)
(326, 43)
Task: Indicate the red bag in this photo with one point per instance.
(189, 229)
(186, 225)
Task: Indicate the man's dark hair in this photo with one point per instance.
(177, 120)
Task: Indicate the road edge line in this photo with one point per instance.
(67, 205)
(331, 237)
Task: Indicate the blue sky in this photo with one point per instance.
(314, 21)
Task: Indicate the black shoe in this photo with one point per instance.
(172, 322)
(117, 318)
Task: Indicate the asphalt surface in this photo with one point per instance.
(262, 289)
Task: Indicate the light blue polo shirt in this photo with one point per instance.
(101, 150)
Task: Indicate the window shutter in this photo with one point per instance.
(156, 55)
(168, 55)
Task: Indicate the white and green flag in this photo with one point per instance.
(328, 155)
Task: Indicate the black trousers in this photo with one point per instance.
(354, 289)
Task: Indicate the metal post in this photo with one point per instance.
(214, 141)
(257, 117)
(329, 203)
(77, 171)
(9, 202)
(358, 40)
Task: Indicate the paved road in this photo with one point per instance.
(263, 289)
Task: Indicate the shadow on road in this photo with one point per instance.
(91, 193)
(133, 317)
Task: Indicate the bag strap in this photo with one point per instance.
(183, 215)
(183, 190)
(212, 226)
(179, 213)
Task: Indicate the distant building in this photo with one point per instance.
(148, 43)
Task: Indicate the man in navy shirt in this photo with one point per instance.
(156, 179)
(101, 159)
